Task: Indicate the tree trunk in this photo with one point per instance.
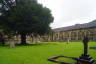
(3, 41)
(23, 39)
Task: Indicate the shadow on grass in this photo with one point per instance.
(92, 48)
(29, 44)
(32, 44)
(37, 44)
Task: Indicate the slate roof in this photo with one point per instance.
(77, 27)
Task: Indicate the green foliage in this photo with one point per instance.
(39, 53)
(28, 17)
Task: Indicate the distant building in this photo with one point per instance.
(76, 32)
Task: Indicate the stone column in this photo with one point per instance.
(77, 36)
(12, 43)
(69, 37)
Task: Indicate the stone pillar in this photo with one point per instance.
(12, 43)
(69, 37)
(77, 36)
(95, 34)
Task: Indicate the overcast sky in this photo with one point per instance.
(70, 12)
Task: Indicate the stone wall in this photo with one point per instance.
(66, 36)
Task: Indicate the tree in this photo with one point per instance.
(27, 17)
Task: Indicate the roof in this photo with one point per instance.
(76, 27)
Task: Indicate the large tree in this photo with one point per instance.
(25, 17)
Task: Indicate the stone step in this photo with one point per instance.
(89, 58)
(91, 61)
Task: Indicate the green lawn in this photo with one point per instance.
(39, 53)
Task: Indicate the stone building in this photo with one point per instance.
(70, 33)
(76, 32)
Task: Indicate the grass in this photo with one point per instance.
(39, 53)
